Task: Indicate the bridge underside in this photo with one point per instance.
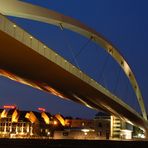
(40, 72)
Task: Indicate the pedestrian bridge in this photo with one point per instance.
(25, 59)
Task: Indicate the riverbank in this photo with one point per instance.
(29, 143)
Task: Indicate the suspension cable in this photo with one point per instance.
(69, 46)
(84, 46)
(104, 81)
(103, 67)
(117, 81)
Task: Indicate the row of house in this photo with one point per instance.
(15, 123)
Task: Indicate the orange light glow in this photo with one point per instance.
(15, 117)
(53, 91)
(61, 119)
(41, 109)
(55, 122)
(9, 106)
(4, 114)
(45, 117)
(16, 78)
(34, 84)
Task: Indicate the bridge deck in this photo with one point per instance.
(26, 57)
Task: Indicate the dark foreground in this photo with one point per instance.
(34, 143)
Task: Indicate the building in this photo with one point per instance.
(19, 124)
(102, 125)
(120, 129)
(76, 133)
(22, 124)
(79, 123)
(77, 129)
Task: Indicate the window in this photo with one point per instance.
(100, 125)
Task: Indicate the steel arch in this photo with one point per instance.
(29, 11)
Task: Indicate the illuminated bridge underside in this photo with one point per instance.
(26, 60)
